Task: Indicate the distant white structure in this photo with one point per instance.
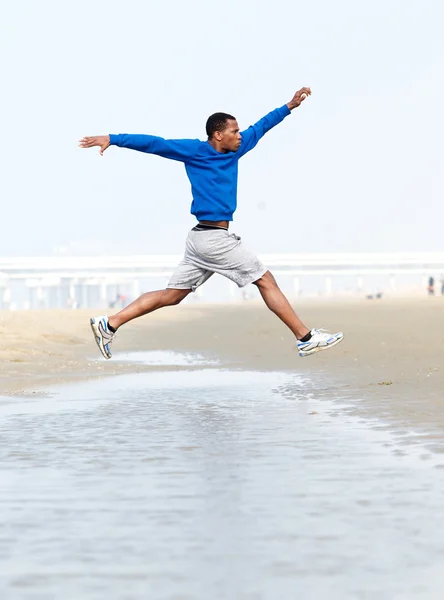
(69, 281)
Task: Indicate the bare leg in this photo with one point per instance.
(278, 303)
(147, 303)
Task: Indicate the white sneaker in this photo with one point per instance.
(102, 334)
(320, 340)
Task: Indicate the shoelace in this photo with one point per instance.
(321, 330)
(111, 334)
(107, 334)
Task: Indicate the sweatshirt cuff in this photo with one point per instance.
(285, 111)
(114, 139)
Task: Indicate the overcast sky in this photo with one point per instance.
(358, 167)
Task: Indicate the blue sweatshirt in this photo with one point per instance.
(212, 174)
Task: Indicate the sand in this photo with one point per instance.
(389, 364)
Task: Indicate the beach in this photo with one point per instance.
(207, 459)
(390, 356)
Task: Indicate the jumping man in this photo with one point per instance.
(211, 167)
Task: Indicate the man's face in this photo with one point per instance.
(230, 137)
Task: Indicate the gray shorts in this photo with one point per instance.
(215, 251)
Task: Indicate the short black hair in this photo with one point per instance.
(217, 122)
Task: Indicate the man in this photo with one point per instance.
(211, 167)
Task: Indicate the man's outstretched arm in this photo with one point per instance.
(182, 150)
(253, 134)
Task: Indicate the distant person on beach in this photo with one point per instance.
(431, 286)
(212, 168)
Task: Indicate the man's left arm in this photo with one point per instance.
(253, 134)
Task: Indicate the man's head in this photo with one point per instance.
(223, 132)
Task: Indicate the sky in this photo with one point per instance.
(359, 167)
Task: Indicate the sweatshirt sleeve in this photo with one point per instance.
(253, 134)
(182, 150)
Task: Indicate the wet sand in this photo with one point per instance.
(389, 364)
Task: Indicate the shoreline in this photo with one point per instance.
(389, 364)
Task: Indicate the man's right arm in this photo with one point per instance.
(181, 150)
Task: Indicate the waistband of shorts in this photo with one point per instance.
(202, 227)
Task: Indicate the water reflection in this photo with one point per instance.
(211, 484)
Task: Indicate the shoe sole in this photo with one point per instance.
(320, 348)
(98, 338)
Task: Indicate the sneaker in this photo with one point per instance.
(102, 334)
(320, 340)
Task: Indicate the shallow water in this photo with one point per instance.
(212, 484)
(166, 358)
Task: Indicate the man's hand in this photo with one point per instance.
(97, 140)
(299, 97)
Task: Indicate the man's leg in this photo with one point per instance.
(186, 278)
(309, 342)
(278, 303)
(147, 303)
(225, 254)
(104, 328)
